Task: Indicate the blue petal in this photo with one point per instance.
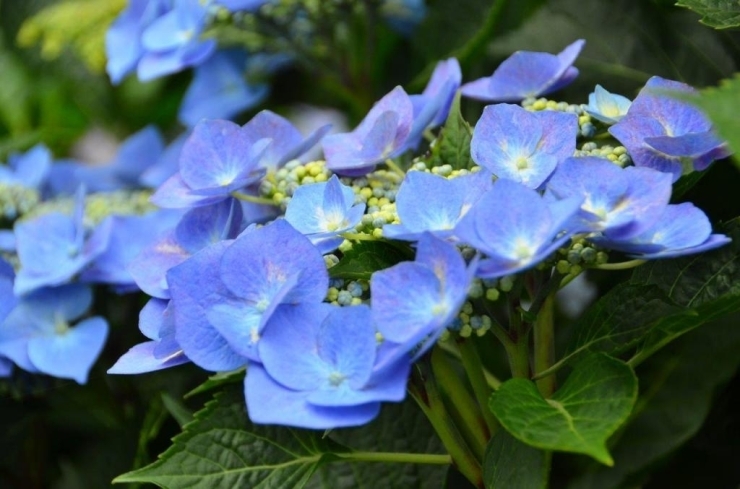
(70, 355)
(140, 359)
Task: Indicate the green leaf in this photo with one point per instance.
(453, 144)
(15, 92)
(399, 428)
(594, 401)
(222, 448)
(367, 257)
(509, 463)
(679, 390)
(706, 285)
(720, 14)
(619, 319)
(663, 300)
(720, 103)
(218, 380)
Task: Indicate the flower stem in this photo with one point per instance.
(393, 166)
(620, 266)
(474, 369)
(544, 346)
(426, 394)
(472, 425)
(393, 457)
(252, 198)
(518, 348)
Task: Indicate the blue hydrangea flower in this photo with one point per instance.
(287, 142)
(412, 302)
(123, 48)
(382, 134)
(157, 323)
(665, 133)
(219, 90)
(30, 169)
(166, 165)
(54, 247)
(225, 294)
(523, 146)
(136, 154)
(129, 235)
(524, 230)
(526, 74)
(618, 202)
(198, 228)
(218, 158)
(8, 300)
(607, 107)
(432, 106)
(324, 210)
(430, 203)
(681, 229)
(172, 41)
(319, 369)
(37, 336)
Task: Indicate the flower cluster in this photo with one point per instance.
(261, 271)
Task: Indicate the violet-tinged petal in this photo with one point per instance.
(151, 317)
(206, 225)
(148, 269)
(260, 261)
(195, 286)
(140, 359)
(175, 194)
(691, 145)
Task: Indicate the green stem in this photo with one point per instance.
(518, 350)
(252, 198)
(398, 458)
(472, 425)
(426, 394)
(474, 369)
(544, 346)
(358, 237)
(493, 382)
(620, 266)
(393, 166)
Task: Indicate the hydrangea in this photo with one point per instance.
(30, 169)
(523, 146)
(526, 74)
(324, 210)
(382, 134)
(36, 334)
(607, 107)
(332, 379)
(665, 133)
(431, 203)
(525, 231)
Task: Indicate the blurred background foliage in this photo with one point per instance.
(53, 89)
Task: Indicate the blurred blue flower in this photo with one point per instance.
(667, 134)
(526, 228)
(324, 210)
(523, 146)
(37, 336)
(219, 90)
(29, 169)
(403, 15)
(172, 41)
(607, 107)
(123, 47)
(526, 74)
(54, 247)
